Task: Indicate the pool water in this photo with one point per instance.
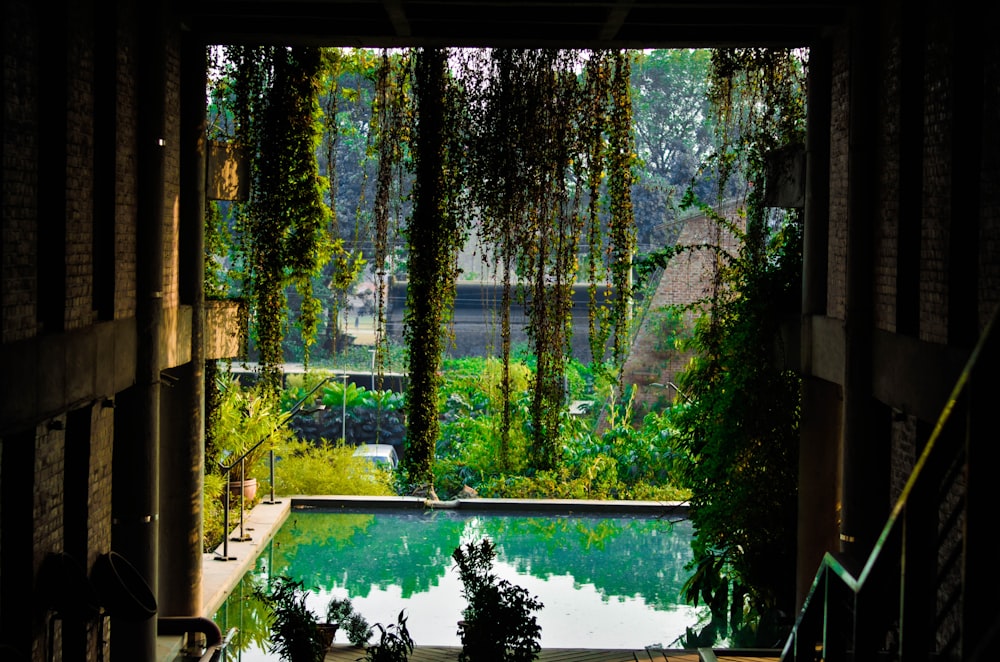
(604, 581)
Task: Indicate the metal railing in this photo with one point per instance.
(919, 595)
(226, 469)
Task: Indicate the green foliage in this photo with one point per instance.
(357, 629)
(266, 99)
(326, 468)
(738, 426)
(354, 625)
(498, 620)
(621, 463)
(670, 327)
(394, 644)
(334, 394)
(438, 232)
(246, 421)
(295, 635)
(673, 134)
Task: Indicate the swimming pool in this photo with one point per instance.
(605, 581)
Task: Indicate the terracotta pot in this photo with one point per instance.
(248, 487)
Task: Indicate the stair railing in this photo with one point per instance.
(920, 594)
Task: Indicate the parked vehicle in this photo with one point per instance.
(381, 455)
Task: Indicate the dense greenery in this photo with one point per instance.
(538, 153)
(295, 634)
(737, 424)
(624, 461)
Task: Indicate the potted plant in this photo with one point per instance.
(498, 623)
(394, 644)
(296, 635)
(246, 423)
(355, 626)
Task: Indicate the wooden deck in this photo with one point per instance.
(347, 653)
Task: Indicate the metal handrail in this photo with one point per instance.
(840, 619)
(226, 469)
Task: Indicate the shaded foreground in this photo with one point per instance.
(347, 653)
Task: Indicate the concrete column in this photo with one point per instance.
(820, 427)
(182, 431)
(865, 501)
(135, 501)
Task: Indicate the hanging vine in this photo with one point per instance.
(436, 233)
(593, 127)
(389, 111)
(283, 231)
(621, 244)
(739, 427)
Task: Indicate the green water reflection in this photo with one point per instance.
(621, 563)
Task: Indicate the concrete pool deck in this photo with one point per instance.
(223, 569)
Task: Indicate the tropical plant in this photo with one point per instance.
(738, 426)
(295, 632)
(394, 644)
(247, 423)
(498, 621)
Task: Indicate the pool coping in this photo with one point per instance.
(229, 562)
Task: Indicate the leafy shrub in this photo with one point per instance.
(354, 625)
(295, 633)
(357, 629)
(394, 645)
(328, 469)
(499, 624)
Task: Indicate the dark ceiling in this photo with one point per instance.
(513, 23)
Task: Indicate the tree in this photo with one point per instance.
(738, 424)
(673, 134)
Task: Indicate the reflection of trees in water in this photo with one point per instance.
(620, 556)
(358, 551)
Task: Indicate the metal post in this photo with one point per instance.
(225, 523)
(243, 537)
(343, 415)
(271, 469)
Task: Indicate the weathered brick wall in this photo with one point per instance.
(125, 169)
(18, 282)
(50, 470)
(78, 312)
(936, 216)
(171, 197)
(48, 512)
(887, 232)
(686, 279)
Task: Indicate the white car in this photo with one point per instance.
(381, 455)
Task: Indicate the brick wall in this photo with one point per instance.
(125, 174)
(686, 279)
(79, 306)
(936, 185)
(18, 282)
(887, 231)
